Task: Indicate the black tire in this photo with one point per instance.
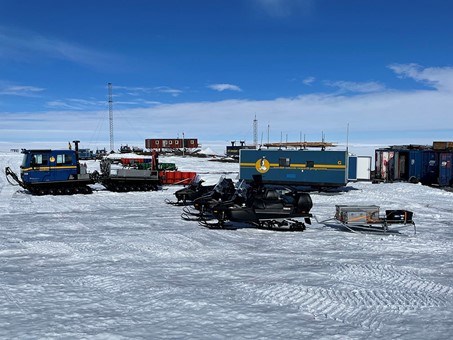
(413, 180)
(304, 203)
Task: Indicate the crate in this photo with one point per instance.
(398, 216)
(443, 145)
(357, 213)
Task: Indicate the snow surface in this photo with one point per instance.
(125, 265)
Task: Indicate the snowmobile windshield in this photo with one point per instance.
(196, 180)
(242, 188)
(221, 185)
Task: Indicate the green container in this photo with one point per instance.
(167, 166)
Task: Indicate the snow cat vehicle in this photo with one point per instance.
(128, 174)
(194, 190)
(52, 172)
(202, 206)
(264, 206)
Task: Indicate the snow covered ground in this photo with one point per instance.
(125, 265)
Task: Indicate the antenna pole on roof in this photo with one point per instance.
(268, 128)
(347, 138)
(112, 147)
(183, 144)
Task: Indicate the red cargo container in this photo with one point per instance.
(171, 143)
(176, 177)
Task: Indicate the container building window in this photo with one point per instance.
(284, 162)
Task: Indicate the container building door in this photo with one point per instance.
(352, 168)
(445, 169)
(430, 168)
(363, 168)
(403, 166)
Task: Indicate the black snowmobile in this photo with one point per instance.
(263, 206)
(222, 191)
(191, 192)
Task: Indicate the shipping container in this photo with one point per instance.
(406, 164)
(295, 167)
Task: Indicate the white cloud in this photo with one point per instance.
(165, 89)
(76, 104)
(388, 116)
(224, 87)
(26, 46)
(309, 80)
(440, 78)
(20, 90)
(284, 8)
(359, 87)
(137, 91)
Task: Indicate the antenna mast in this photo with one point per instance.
(112, 147)
(255, 132)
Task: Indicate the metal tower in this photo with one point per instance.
(112, 147)
(255, 132)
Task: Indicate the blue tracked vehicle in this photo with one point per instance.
(53, 172)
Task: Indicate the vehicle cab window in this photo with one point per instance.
(38, 159)
(64, 159)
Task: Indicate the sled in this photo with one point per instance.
(367, 219)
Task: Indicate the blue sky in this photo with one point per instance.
(206, 68)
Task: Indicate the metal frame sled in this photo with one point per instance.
(367, 219)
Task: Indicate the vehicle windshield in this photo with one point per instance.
(242, 188)
(221, 184)
(196, 180)
(25, 160)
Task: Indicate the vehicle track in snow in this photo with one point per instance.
(391, 277)
(365, 295)
(369, 308)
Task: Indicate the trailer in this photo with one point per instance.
(312, 168)
(129, 173)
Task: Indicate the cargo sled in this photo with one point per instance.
(368, 219)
